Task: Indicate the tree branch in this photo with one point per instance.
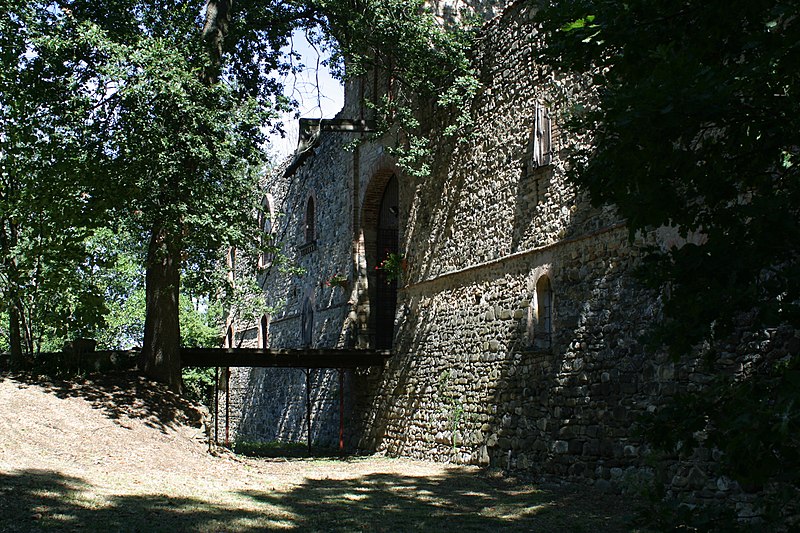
(215, 29)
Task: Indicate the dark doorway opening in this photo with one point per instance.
(264, 331)
(386, 243)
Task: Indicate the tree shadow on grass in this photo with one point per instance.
(461, 500)
(120, 395)
(35, 500)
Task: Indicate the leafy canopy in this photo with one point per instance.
(693, 122)
(147, 118)
(49, 201)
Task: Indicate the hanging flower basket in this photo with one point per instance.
(393, 266)
(337, 280)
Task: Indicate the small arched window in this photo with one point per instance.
(263, 331)
(307, 322)
(310, 225)
(544, 310)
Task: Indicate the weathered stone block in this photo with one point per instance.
(560, 447)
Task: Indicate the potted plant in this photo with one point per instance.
(337, 280)
(393, 266)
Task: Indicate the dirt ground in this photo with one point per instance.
(118, 453)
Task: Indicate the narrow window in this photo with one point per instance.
(307, 322)
(542, 138)
(310, 228)
(544, 310)
(264, 331)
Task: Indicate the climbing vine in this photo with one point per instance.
(422, 62)
(453, 408)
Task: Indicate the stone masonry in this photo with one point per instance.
(517, 322)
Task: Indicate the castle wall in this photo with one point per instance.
(472, 381)
(481, 373)
(269, 404)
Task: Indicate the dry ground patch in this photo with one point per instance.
(121, 454)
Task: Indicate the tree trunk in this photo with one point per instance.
(8, 239)
(215, 29)
(161, 357)
(14, 337)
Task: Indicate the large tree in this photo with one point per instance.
(176, 97)
(693, 122)
(48, 203)
(114, 117)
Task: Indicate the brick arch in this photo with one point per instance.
(371, 295)
(373, 195)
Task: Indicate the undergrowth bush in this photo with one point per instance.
(198, 384)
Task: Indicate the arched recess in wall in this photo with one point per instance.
(544, 312)
(381, 230)
(307, 320)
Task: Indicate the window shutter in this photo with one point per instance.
(542, 137)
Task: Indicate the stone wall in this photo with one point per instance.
(482, 373)
(269, 404)
(469, 382)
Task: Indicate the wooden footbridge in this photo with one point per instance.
(222, 359)
(283, 357)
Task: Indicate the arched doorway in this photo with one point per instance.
(307, 322)
(387, 236)
(263, 332)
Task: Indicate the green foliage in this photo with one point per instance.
(4, 333)
(145, 119)
(48, 202)
(188, 154)
(690, 129)
(121, 282)
(106, 125)
(198, 384)
(424, 63)
(337, 280)
(454, 407)
(694, 123)
(393, 266)
(200, 323)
